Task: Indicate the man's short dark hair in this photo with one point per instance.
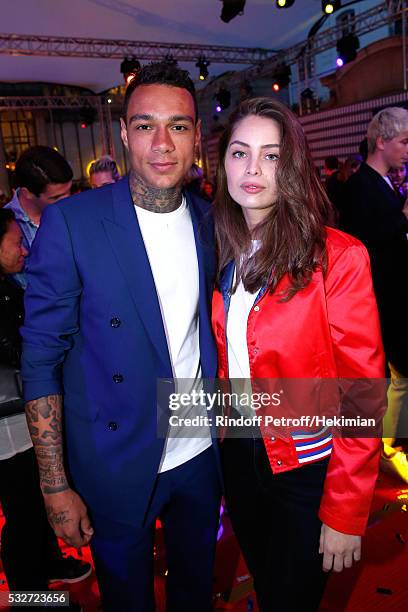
(40, 166)
(6, 217)
(332, 162)
(161, 73)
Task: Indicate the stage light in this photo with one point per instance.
(339, 62)
(281, 77)
(347, 48)
(202, 65)
(231, 8)
(223, 97)
(88, 116)
(129, 68)
(284, 3)
(330, 7)
(109, 100)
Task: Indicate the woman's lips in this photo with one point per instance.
(252, 188)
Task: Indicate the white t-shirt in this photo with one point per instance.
(170, 245)
(241, 303)
(240, 307)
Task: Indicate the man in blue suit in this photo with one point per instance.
(119, 287)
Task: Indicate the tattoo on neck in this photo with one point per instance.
(152, 198)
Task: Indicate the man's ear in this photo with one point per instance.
(26, 193)
(123, 133)
(197, 133)
(379, 143)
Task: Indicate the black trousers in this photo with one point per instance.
(274, 517)
(28, 544)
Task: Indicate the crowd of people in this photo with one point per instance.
(141, 279)
(372, 205)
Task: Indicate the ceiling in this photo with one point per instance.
(187, 21)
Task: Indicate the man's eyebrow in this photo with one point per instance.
(140, 118)
(175, 118)
(172, 119)
(244, 144)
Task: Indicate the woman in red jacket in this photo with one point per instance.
(294, 300)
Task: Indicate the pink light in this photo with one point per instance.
(218, 108)
(339, 62)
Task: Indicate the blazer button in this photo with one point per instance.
(112, 426)
(279, 462)
(115, 322)
(117, 378)
(273, 439)
(256, 308)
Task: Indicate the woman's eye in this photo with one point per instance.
(272, 157)
(238, 154)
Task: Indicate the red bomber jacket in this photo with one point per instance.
(330, 329)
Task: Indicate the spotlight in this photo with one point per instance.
(231, 8)
(284, 3)
(129, 68)
(330, 7)
(202, 65)
(307, 94)
(169, 59)
(347, 47)
(223, 98)
(281, 77)
(88, 116)
(308, 101)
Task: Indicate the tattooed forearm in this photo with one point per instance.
(44, 418)
(152, 198)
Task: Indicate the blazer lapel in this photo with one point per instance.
(127, 243)
(205, 248)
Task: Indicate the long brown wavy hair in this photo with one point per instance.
(292, 237)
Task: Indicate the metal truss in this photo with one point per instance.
(362, 23)
(47, 102)
(50, 103)
(62, 46)
(264, 61)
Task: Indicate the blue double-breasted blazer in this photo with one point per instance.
(94, 333)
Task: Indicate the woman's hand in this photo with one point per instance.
(339, 550)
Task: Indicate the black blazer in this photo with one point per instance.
(372, 212)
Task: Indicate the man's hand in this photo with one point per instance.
(68, 517)
(339, 550)
(66, 511)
